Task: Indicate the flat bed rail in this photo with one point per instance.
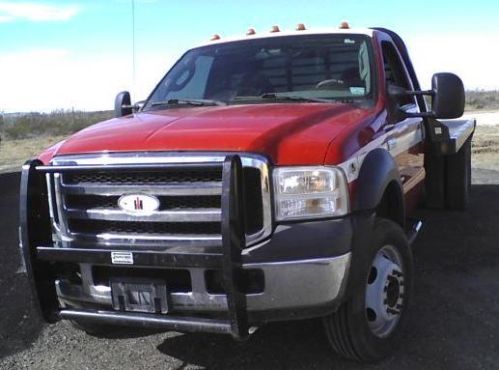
(459, 131)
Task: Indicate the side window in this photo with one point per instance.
(395, 72)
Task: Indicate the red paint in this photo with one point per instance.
(289, 134)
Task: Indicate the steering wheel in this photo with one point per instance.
(331, 83)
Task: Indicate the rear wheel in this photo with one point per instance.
(368, 326)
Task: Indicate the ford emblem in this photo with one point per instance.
(141, 204)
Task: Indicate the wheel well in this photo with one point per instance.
(391, 205)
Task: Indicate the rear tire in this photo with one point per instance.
(458, 178)
(368, 326)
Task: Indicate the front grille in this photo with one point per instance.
(85, 204)
(143, 178)
(166, 203)
(142, 228)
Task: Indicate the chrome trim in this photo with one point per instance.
(193, 215)
(63, 225)
(128, 167)
(287, 286)
(201, 188)
(117, 239)
(151, 159)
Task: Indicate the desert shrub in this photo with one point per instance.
(480, 99)
(61, 122)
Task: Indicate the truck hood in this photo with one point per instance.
(286, 133)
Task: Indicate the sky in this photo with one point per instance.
(78, 54)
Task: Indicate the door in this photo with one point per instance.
(404, 136)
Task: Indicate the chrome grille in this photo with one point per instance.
(85, 207)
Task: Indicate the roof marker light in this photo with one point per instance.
(275, 29)
(300, 27)
(344, 25)
(215, 37)
(251, 31)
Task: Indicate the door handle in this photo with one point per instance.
(389, 127)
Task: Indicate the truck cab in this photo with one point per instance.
(269, 177)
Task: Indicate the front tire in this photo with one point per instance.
(369, 325)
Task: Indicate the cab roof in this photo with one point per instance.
(268, 34)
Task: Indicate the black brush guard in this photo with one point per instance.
(40, 255)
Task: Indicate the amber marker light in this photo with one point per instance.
(344, 25)
(300, 27)
(275, 29)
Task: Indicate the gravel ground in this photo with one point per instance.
(454, 322)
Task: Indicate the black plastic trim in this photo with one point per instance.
(34, 230)
(378, 170)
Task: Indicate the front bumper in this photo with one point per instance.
(305, 268)
(288, 294)
(289, 285)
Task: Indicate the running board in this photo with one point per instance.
(413, 230)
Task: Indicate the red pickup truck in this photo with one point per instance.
(270, 177)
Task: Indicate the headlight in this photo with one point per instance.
(309, 192)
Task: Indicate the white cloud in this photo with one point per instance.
(48, 79)
(471, 56)
(11, 11)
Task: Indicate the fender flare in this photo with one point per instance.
(378, 171)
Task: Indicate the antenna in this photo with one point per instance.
(133, 47)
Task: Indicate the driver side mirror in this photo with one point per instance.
(123, 104)
(447, 93)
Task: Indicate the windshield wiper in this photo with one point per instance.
(275, 96)
(191, 102)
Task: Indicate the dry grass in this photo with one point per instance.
(485, 148)
(13, 153)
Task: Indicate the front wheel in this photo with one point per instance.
(368, 326)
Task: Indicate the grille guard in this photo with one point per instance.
(38, 252)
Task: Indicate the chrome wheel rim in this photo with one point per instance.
(385, 292)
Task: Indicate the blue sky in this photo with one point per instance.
(64, 54)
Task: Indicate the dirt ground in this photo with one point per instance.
(454, 322)
(485, 148)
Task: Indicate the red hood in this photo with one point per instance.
(287, 133)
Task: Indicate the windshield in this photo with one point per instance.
(318, 68)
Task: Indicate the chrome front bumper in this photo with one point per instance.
(288, 285)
